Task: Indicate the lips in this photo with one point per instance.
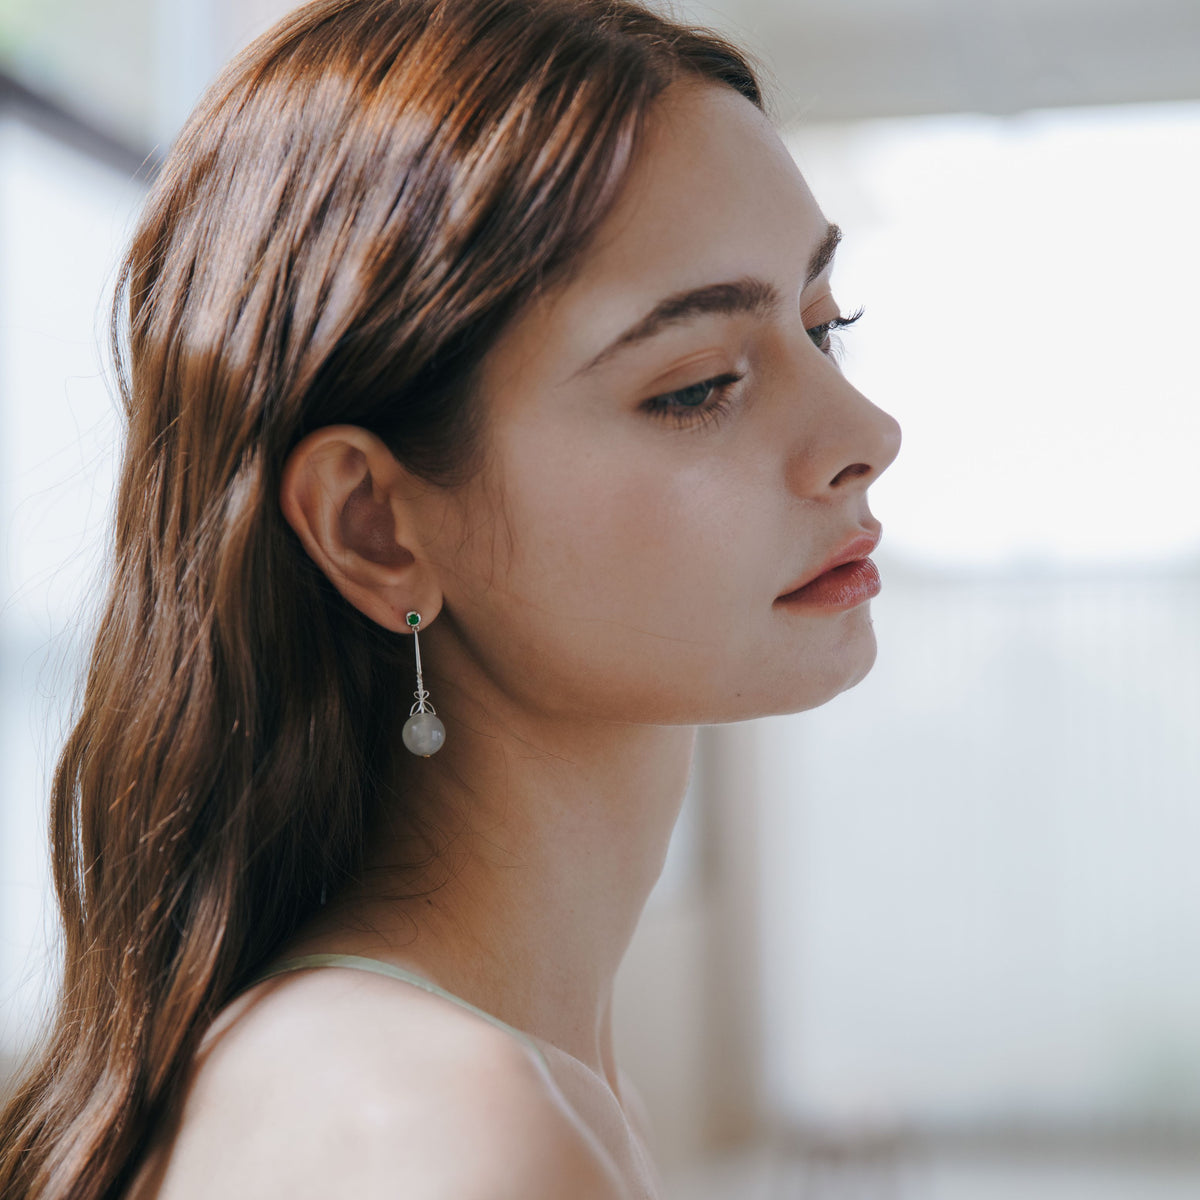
(857, 548)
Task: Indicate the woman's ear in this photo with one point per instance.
(350, 503)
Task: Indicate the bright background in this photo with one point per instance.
(942, 934)
(987, 880)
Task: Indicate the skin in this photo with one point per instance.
(604, 586)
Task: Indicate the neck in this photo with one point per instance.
(553, 833)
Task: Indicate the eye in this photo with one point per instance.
(697, 404)
(821, 338)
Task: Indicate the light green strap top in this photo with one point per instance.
(378, 967)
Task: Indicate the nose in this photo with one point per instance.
(847, 444)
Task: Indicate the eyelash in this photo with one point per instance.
(699, 415)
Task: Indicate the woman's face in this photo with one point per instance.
(623, 555)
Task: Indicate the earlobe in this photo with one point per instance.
(339, 494)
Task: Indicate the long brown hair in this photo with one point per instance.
(360, 203)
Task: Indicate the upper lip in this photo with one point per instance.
(858, 547)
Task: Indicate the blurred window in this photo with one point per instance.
(63, 219)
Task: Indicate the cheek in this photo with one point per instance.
(618, 579)
(624, 536)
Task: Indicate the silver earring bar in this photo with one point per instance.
(423, 732)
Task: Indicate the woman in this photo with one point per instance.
(483, 441)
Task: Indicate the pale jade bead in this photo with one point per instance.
(424, 734)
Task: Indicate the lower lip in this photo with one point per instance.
(844, 587)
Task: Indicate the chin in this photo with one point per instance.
(866, 651)
(780, 685)
(850, 666)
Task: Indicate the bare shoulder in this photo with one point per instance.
(337, 1084)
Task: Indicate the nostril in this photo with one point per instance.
(851, 472)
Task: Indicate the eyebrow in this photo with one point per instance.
(746, 295)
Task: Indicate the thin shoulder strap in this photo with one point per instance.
(378, 967)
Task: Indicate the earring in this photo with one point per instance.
(423, 733)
